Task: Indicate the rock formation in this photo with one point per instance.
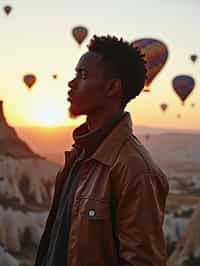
(189, 244)
(10, 143)
(26, 191)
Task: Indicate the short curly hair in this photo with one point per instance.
(127, 63)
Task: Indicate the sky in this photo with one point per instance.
(36, 38)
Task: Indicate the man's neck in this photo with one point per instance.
(98, 120)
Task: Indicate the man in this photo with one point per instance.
(109, 198)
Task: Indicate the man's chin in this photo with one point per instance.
(73, 113)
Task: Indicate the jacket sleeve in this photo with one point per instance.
(139, 214)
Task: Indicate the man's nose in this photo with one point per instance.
(71, 83)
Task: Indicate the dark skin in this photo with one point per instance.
(93, 93)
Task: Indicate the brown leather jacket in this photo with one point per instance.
(118, 208)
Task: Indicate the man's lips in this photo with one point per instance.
(69, 99)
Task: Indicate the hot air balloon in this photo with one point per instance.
(192, 105)
(193, 58)
(79, 33)
(54, 76)
(7, 9)
(163, 106)
(29, 80)
(156, 54)
(178, 116)
(183, 86)
(147, 136)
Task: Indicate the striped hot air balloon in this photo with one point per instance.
(155, 54)
(183, 86)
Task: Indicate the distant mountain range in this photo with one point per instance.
(37, 136)
(175, 150)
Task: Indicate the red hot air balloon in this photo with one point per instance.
(7, 9)
(193, 58)
(29, 80)
(156, 54)
(163, 106)
(183, 86)
(79, 33)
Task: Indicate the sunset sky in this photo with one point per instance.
(36, 38)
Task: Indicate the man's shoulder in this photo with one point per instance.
(134, 164)
(134, 156)
(132, 150)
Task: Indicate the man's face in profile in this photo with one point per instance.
(87, 89)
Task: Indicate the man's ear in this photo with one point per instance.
(114, 88)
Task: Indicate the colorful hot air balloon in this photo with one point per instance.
(79, 33)
(193, 58)
(7, 9)
(163, 106)
(29, 80)
(183, 86)
(156, 54)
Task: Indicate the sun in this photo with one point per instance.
(48, 121)
(49, 114)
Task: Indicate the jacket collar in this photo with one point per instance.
(89, 140)
(108, 150)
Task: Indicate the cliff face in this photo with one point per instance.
(10, 143)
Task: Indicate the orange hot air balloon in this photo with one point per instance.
(155, 54)
(163, 106)
(79, 33)
(7, 9)
(29, 80)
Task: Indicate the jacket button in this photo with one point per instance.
(91, 213)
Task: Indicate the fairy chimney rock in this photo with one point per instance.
(10, 143)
